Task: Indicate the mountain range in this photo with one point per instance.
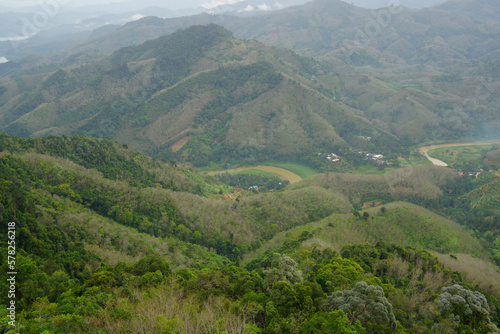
(199, 87)
(110, 223)
(193, 101)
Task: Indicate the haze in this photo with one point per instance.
(6, 5)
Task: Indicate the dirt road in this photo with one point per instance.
(424, 150)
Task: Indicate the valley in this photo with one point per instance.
(254, 169)
(280, 172)
(425, 150)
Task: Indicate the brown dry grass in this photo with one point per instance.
(179, 144)
(168, 310)
(475, 270)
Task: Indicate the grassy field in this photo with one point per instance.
(402, 223)
(456, 154)
(277, 171)
(461, 155)
(301, 170)
(258, 172)
(414, 161)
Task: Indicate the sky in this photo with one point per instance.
(77, 3)
(176, 4)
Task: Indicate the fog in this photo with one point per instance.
(8, 5)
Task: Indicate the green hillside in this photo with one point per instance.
(198, 95)
(399, 222)
(469, 158)
(111, 220)
(486, 194)
(105, 236)
(426, 74)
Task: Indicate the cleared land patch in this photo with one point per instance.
(424, 150)
(280, 172)
(178, 145)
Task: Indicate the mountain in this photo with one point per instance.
(321, 28)
(107, 225)
(199, 95)
(445, 59)
(376, 4)
(71, 24)
(444, 38)
(420, 75)
(479, 10)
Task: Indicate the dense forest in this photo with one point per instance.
(112, 241)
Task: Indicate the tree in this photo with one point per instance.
(284, 268)
(58, 283)
(333, 322)
(338, 273)
(151, 263)
(365, 303)
(466, 308)
(290, 298)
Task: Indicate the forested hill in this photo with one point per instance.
(201, 95)
(198, 95)
(123, 242)
(427, 74)
(189, 94)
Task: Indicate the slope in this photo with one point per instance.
(101, 247)
(200, 86)
(428, 74)
(398, 223)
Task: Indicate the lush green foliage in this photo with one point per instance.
(120, 297)
(102, 251)
(365, 303)
(465, 309)
(467, 158)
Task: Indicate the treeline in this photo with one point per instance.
(127, 204)
(105, 156)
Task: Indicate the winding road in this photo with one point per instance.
(424, 150)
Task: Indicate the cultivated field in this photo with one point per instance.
(280, 172)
